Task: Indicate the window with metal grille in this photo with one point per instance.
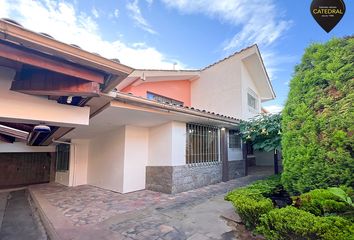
(159, 98)
(63, 157)
(234, 139)
(202, 144)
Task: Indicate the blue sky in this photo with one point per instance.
(193, 34)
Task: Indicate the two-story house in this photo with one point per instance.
(108, 125)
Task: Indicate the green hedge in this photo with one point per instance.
(251, 202)
(292, 223)
(317, 121)
(322, 202)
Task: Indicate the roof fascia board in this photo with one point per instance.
(16, 34)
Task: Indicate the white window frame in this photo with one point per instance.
(252, 94)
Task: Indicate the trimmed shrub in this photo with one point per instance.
(268, 186)
(324, 201)
(250, 205)
(317, 120)
(292, 223)
(250, 202)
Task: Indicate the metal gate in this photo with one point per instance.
(20, 169)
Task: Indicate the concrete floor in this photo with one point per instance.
(16, 218)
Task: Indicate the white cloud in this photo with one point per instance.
(61, 20)
(137, 16)
(116, 13)
(4, 9)
(95, 12)
(274, 108)
(259, 19)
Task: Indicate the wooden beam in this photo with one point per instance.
(7, 139)
(113, 82)
(13, 132)
(10, 64)
(30, 39)
(42, 82)
(19, 126)
(30, 58)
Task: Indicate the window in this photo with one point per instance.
(234, 139)
(159, 98)
(63, 157)
(252, 100)
(202, 144)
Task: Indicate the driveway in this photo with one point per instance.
(87, 212)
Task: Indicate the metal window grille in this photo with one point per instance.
(63, 157)
(159, 98)
(234, 139)
(202, 144)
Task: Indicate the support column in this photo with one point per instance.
(224, 155)
(244, 154)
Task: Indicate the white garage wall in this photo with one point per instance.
(106, 160)
(135, 158)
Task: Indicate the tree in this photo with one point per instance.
(317, 120)
(264, 133)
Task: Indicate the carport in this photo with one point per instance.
(47, 88)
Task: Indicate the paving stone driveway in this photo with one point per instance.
(87, 212)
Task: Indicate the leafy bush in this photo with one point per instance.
(251, 202)
(292, 223)
(268, 186)
(317, 121)
(324, 201)
(250, 205)
(263, 132)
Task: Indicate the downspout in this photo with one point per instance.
(74, 167)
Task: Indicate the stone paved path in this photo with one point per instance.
(87, 212)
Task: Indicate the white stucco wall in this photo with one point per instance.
(160, 145)
(248, 83)
(178, 143)
(19, 107)
(222, 88)
(135, 158)
(219, 88)
(22, 147)
(167, 144)
(106, 160)
(79, 160)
